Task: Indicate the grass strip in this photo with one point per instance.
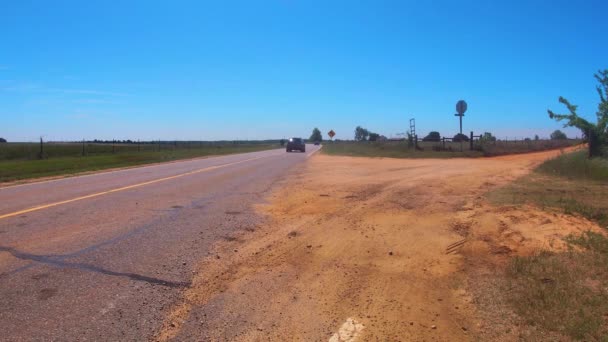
(13, 170)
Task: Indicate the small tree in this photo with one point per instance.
(595, 134)
(433, 136)
(373, 136)
(361, 134)
(558, 135)
(2, 140)
(460, 137)
(487, 136)
(536, 137)
(282, 141)
(316, 135)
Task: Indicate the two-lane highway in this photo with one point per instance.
(102, 256)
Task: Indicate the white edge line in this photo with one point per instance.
(128, 187)
(313, 152)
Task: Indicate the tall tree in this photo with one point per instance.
(316, 135)
(595, 134)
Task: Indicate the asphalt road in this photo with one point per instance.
(103, 256)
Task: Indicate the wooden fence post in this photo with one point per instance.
(471, 141)
(41, 154)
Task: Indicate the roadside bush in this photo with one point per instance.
(433, 136)
(558, 135)
(460, 137)
(487, 136)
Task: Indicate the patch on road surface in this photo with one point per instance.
(349, 331)
(47, 293)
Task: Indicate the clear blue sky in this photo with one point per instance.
(278, 68)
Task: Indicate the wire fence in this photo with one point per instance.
(494, 146)
(46, 150)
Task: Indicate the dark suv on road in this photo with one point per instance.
(296, 144)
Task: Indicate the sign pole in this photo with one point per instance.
(461, 107)
(460, 118)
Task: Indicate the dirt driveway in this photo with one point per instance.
(367, 249)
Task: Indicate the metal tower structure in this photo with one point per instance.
(413, 127)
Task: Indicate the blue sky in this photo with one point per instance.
(278, 68)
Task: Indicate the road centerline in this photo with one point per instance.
(128, 187)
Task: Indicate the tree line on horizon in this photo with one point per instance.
(363, 134)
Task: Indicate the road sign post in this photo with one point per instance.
(331, 134)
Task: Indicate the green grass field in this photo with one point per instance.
(19, 161)
(577, 166)
(498, 148)
(564, 292)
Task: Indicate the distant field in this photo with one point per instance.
(391, 149)
(20, 160)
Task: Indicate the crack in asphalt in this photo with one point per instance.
(56, 262)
